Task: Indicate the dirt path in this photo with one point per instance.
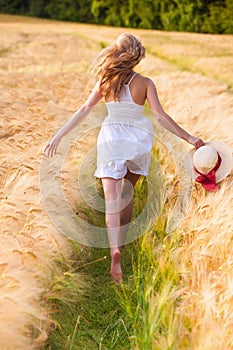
(44, 70)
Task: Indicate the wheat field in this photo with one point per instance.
(45, 76)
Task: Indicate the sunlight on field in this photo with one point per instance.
(45, 76)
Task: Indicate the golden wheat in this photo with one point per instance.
(44, 70)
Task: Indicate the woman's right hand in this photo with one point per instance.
(51, 148)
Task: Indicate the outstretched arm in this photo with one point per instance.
(165, 120)
(75, 119)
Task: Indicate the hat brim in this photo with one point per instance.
(226, 164)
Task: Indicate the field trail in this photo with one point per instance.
(45, 76)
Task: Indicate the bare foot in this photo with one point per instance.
(115, 271)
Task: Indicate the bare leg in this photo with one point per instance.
(112, 194)
(128, 185)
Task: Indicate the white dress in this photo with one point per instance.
(125, 139)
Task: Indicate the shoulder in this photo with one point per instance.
(144, 81)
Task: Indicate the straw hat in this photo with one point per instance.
(205, 158)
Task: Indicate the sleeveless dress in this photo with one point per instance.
(125, 139)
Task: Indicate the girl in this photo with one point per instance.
(126, 136)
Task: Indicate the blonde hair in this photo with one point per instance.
(113, 66)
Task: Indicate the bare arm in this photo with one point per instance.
(165, 120)
(75, 119)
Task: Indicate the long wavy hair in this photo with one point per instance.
(114, 65)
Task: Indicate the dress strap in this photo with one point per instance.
(132, 78)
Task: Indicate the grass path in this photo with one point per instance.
(102, 321)
(178, 289)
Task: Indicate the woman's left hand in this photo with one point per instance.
(196, 141)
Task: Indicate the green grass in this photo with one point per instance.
(140, 314)
(94, 319)
(151, 299)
